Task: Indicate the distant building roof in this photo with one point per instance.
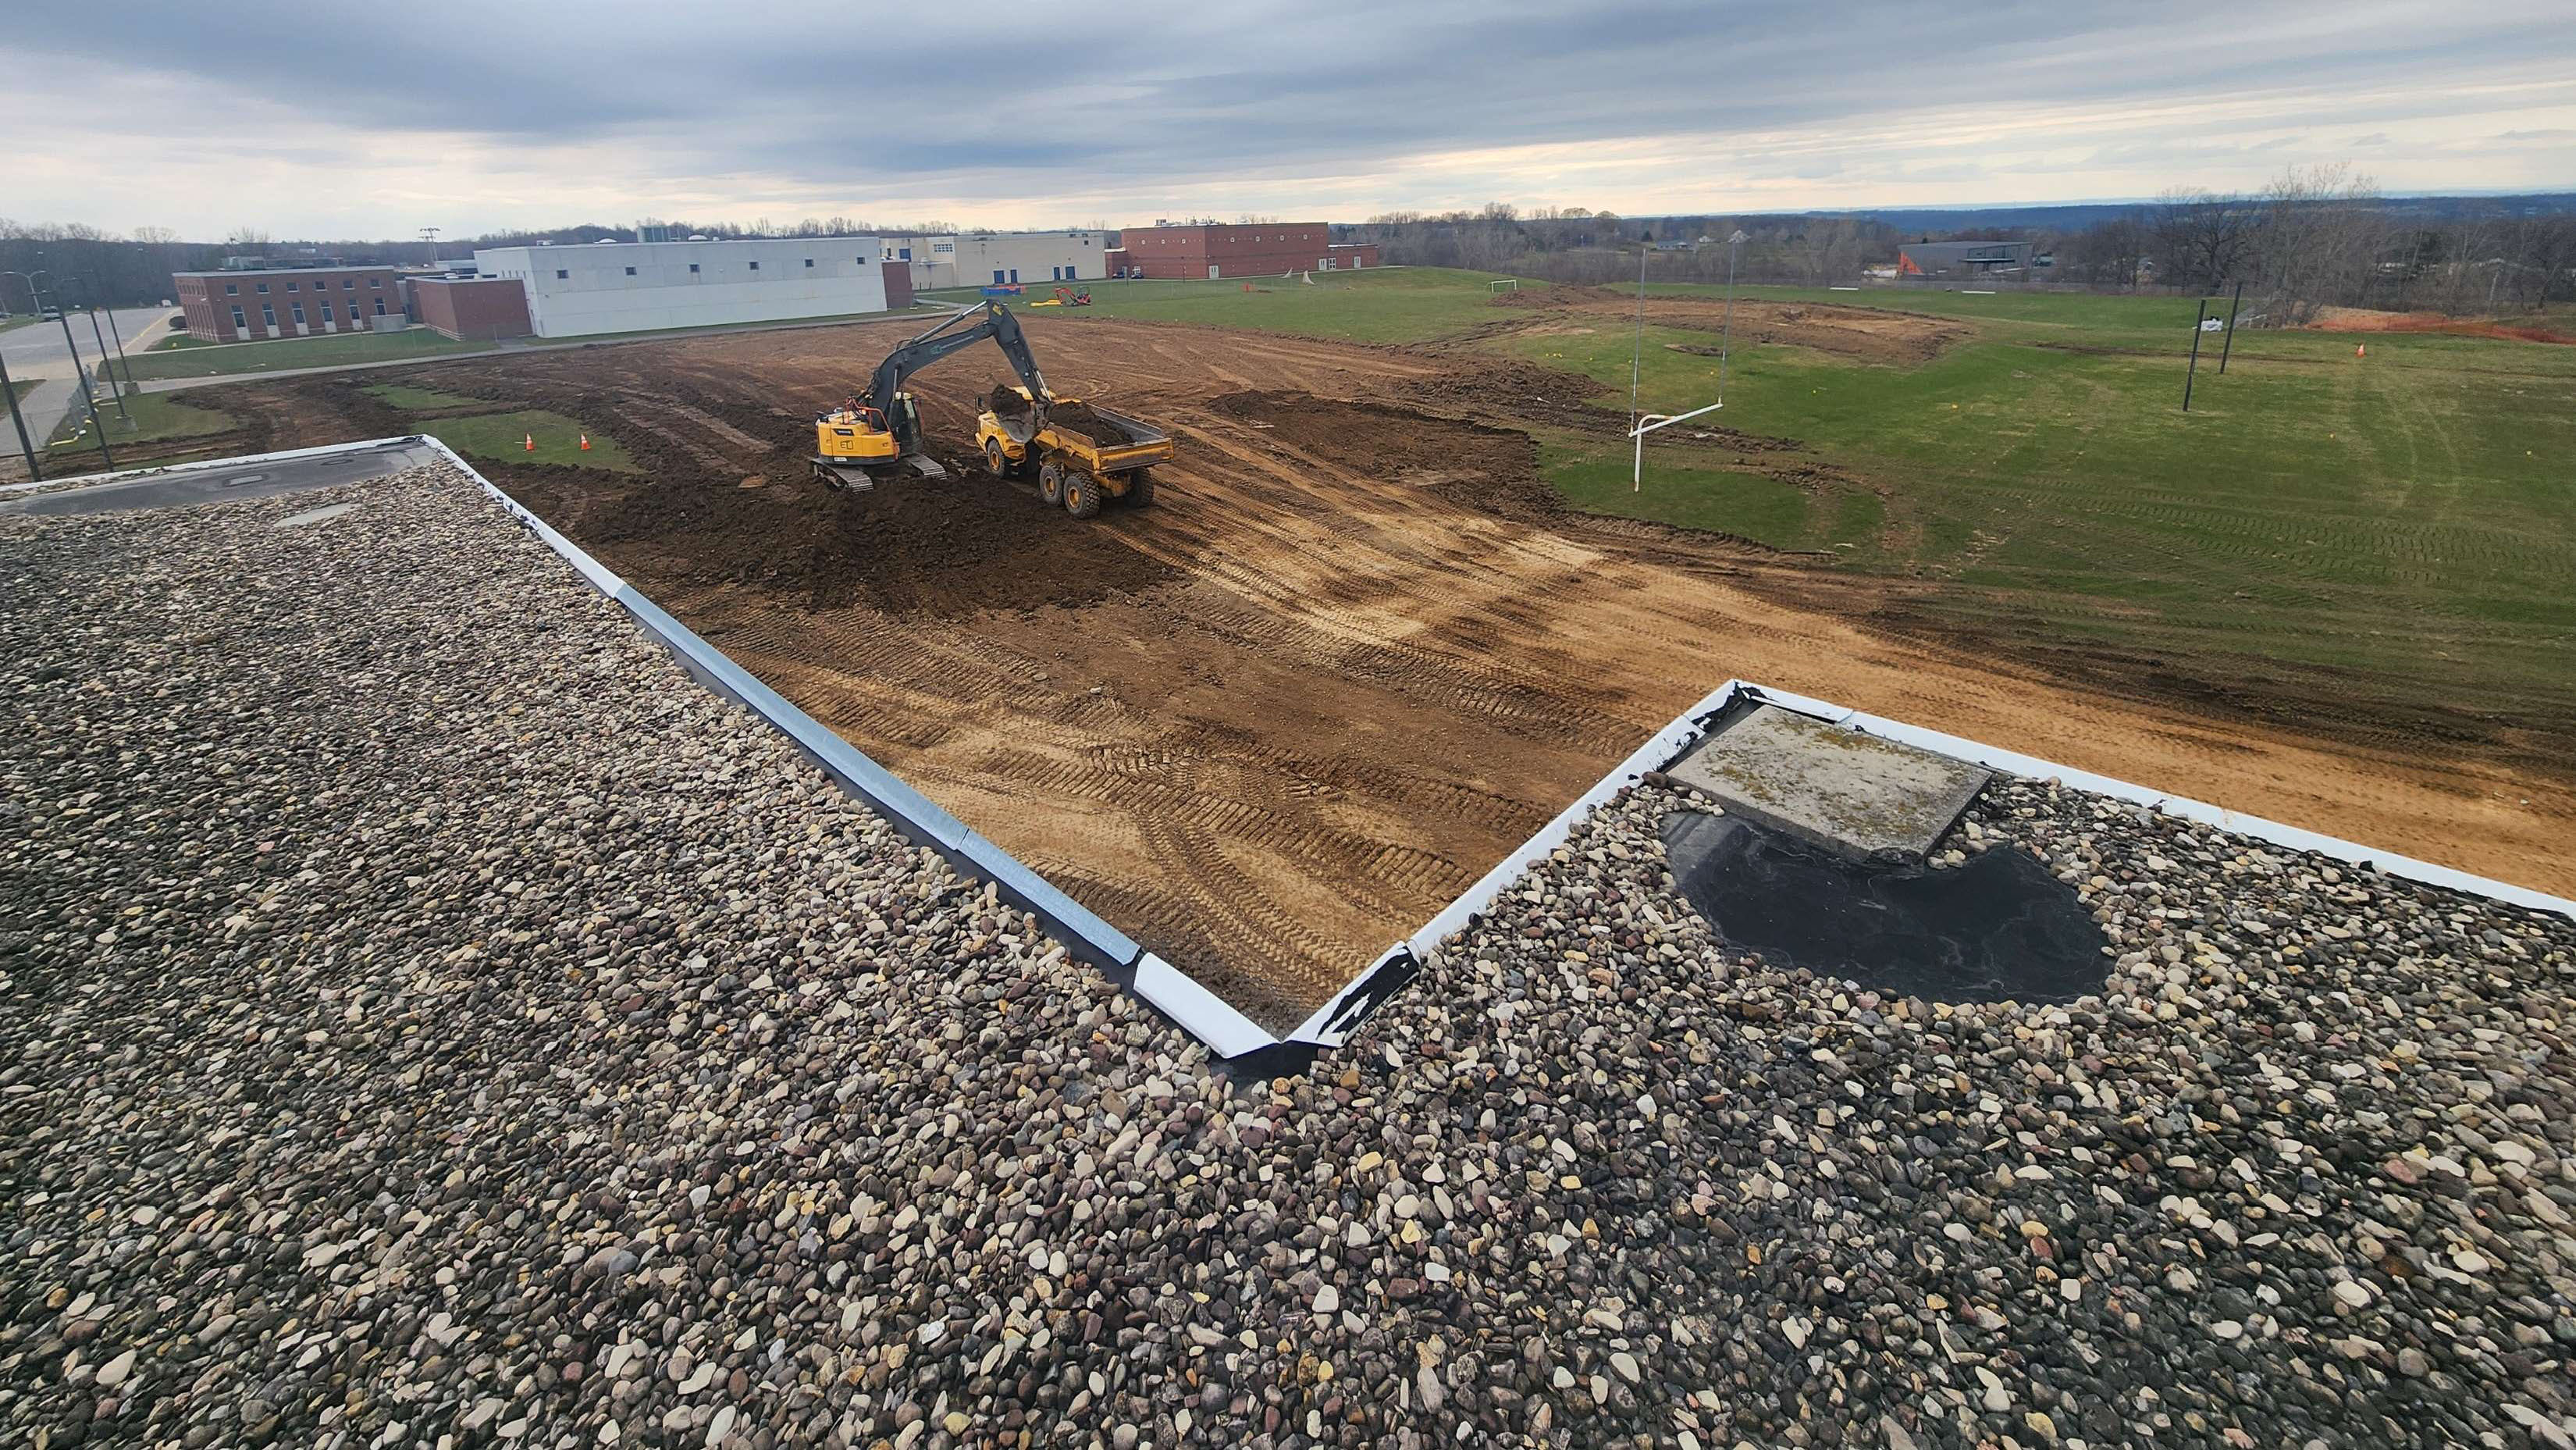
(1933, 258)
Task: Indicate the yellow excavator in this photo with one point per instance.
(1086, 456)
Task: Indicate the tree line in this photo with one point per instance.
(2315, 237)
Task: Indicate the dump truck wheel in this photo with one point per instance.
(1140, 487)
(1051, 484)
(994, 459)
(1081, 494)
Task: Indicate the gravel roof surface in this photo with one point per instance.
(430, 1019)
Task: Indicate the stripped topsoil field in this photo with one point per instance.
(1354, 654)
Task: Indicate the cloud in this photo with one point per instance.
(305, 118)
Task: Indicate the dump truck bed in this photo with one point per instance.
(1144, 445)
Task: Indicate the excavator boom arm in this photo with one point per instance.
(995, 322)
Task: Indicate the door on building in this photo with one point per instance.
(998, 279)
(1212, 270)
(1015, 274)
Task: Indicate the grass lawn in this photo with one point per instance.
(178, 340)
(2407, 513)
(158, 417)
(425, 400)
(20, 320)
(1404, 304)
(331, 350)
(501, 438)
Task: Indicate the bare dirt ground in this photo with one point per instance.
(2363, 319)
(1354, 653)
(1863, 334)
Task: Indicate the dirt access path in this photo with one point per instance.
(1350, 658)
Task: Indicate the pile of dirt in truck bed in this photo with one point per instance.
(1079, 420)
(1074, 418)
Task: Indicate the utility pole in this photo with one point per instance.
(2227, 344)
(2195, 354)
(34, 475)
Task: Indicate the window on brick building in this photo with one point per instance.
(263, 288)
(240, 323)
(232, 289)
(267, 315)
(299, 314)
(561, 274)
(630, 271)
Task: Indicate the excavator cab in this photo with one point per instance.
(855, 440)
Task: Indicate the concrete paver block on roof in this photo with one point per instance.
(1857, 794)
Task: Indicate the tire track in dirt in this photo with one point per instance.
(1350, 658)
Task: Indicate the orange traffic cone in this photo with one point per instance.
(529, 442)
(585, 443)
(2360, 348)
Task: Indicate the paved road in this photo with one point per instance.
(36, 351)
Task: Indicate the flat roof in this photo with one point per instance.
(292, 271)
(725, 242)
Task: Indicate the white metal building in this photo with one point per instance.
(982, 259)
(595, 287)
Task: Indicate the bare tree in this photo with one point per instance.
(2203, 240)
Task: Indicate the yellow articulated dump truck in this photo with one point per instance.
(1083, 455)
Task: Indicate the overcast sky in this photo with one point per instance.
(339, 121)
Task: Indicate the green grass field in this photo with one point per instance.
(296, 352)
(158, 418)
(502, 438)
(2406, 513)
(1405, 304)
(422, 400)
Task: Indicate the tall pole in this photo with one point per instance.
(113, 391)
(80, 379)
(2195, 354)
(118, 333)
(1636, 361)
(2227, 344)
(25, 445)
(1726, 333)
